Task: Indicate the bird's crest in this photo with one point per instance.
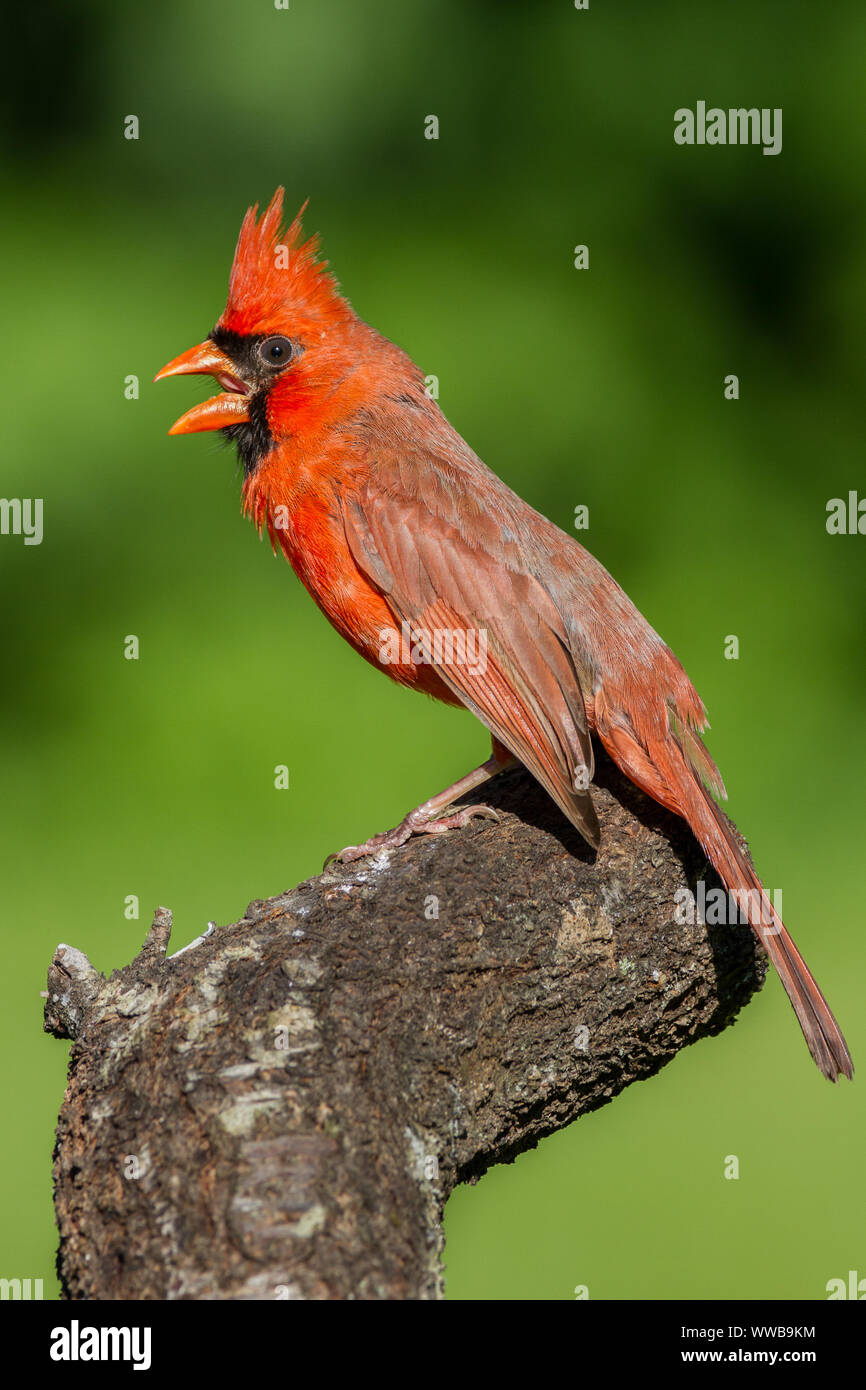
(276, 276)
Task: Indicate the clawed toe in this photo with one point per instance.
(456, 820)
(412, 825)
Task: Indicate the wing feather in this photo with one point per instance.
(437, 579)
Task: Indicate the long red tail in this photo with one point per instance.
(820, 1029)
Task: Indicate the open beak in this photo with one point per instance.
(229, 408)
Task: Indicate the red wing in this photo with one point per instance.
(514, 671)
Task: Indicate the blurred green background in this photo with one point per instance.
(604, 387)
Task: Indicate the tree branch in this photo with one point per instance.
(282, 1108)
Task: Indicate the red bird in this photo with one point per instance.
(440, 575)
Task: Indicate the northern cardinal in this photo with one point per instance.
(396, 527)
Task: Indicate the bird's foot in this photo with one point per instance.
(418, 822)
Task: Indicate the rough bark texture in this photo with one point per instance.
(282, 1109)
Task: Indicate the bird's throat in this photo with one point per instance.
(252, 437)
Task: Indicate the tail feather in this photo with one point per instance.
(820, 1029)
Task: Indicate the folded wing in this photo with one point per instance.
(491, 629)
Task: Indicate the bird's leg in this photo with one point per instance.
(426, 820)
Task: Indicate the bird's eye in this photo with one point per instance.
(276, 352)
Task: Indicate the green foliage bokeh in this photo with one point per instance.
(601, 387)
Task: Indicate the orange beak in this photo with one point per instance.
(229, 408)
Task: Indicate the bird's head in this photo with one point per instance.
(285, 337)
